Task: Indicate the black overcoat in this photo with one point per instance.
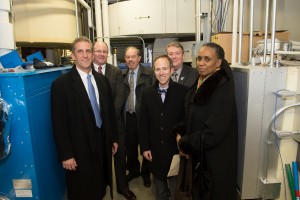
(75, 132)
(211, 111)
(157, 120)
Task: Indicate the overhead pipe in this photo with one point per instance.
(198, 21)
(106, 27)
(234, 31)
(89, 12)
(251, 30)
(76, 15)
(98, 18)
(89, 15)
(7, 41)
(273, 33)
(241, 31)
(266, 31)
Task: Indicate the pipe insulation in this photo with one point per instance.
(98, 18)
(89, 12)
(7, 42)
(106, 28)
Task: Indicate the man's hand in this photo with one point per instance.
(147, 155)
(114, 148)
(69, 164)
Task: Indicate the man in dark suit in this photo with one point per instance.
(136, 79)
(162, 108)
(84, 125)
(114, 75)
(183, 73)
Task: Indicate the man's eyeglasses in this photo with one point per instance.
(99, 52)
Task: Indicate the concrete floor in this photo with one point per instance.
(136, 185)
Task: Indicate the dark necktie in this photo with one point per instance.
(100, 69)
(130, 100)
(93, 100)
(162, 93)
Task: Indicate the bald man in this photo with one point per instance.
(114, 75)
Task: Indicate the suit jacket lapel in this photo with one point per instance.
(139, 80)
(183, 75)
(107, 70)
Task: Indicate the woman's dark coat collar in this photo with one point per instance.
(209, 86)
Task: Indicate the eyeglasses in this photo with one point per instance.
(132, 57)
(99, 52)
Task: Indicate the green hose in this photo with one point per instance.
(291, 180)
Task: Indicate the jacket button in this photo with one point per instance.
(161, 128)
(162, 142)
(162, 114)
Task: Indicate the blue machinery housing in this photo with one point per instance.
(31, 170)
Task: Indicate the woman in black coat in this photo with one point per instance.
(211, 113)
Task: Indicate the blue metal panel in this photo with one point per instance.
(33, 155)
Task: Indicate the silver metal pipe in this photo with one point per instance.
(241, 31)
(273, 33)
(89, 12)
(251, 30)
(278, 112)
(76, 14)
(234, 31)
(198, 21)
(98, 18)
(266, 31)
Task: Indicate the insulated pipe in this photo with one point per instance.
(7, 41)
(98, 17)
(251, 30)
(241, 31)
(89, 12)
(234, 31)
(77, 21)
(266, 31)
(106, 28)
(198, 21)
(273, 33)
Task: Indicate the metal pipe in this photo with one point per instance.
(251, 30)
(234, 31)
(76, 14)
(98, 17)
(198, 21)
(105, 22)
(278, 112)
(266, 31)
(273, 33)
(89, 12)
(241, 31)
